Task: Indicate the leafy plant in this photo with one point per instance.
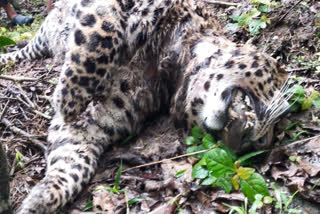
(115, 189)
(283, 202)
(220, 167)
(311, 64)
(256, 205)
(5, 41)
(180, 173)
(20, 160)
(301, 101)
(255, 19)
(21, 32)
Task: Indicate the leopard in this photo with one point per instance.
(126, 61)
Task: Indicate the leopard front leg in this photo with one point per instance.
(95, 50)
(75, 147)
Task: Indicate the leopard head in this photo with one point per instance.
(234, 92)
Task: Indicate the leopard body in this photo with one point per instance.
(127, 60)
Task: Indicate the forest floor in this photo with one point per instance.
(292, 37)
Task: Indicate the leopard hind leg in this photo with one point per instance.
(75, 147)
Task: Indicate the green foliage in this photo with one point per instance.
(116, 182)
(198, 142)
(257, 204)
(283, 202)
(88, 206)
(5, 41)
(115, 189)
(301, 100)
(219, 167)
(20, 32)
(254, 185)
(19, 160)
(255, 19)
(296, 129)
(136, 200)
(313, 65)
(180, 173)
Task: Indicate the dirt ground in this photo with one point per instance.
(25, 112)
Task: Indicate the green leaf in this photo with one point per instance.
(314, 95)
(294, 107)
(232, 27)
(88, 206)
(208, 141)
(235, 182)
(247, 156)
(244, 20)
(197, 133)
(136, 200)
(297, 134)
(110, 189)
(235, 18)
(224, 183)
(255, 13)
(254, 185)
(180, 173)
(299, 91)
(277, 195)
(245, 172)
(257, 204)
(239, 210)
(190, 140)
(295, 211)
(192, 149)
(290, 199)
(256, 25)
(264, 8)
(230, 153)
(265, 19)
(316, 102)
(292, 125)
(127, 139)
(306, 104)
(116, 182)
(18, 156)
(208, 181)
(4, 41)
(267, 200)
(219, 163)
(200, 170)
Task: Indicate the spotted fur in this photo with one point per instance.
(126, 60)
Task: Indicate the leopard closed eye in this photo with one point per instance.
(124, 61)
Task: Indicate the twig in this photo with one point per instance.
(30, 104)
(18, 131)
(24, 94)
(18, 78)
(222, 3)
(297, 142)
(7, 98)
(13, 167)
(296, 69)
(161, 161)
(4, 111)
(285, 15)
(42, 114)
